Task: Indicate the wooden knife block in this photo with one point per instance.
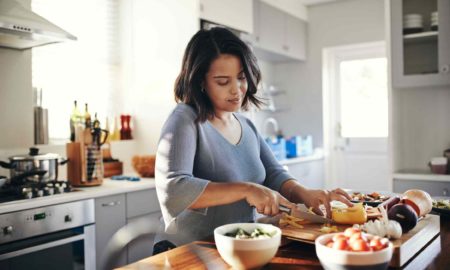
(85, 166)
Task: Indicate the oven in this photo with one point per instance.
(59, 236)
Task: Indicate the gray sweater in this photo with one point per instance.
(190, 155)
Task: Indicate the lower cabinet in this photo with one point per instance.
(309, 174)
(434, 188)
(109, 218)
(126, 211)
(142, 247)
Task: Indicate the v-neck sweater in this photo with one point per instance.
(190, 155)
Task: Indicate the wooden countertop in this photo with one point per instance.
(295, 255)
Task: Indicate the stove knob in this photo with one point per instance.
(68, 218)
(7, 230)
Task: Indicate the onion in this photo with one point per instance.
(405, 215)
(421, 198)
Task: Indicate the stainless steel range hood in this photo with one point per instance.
(20, 28)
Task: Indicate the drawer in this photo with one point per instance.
(142, 202)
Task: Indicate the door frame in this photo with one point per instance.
(331, 56)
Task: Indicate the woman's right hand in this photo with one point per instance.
(265, 200)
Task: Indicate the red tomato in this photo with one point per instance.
(339, 236)
(340, 244)
(359, 245)
(357, 236)
(350, 231)
(376, 244)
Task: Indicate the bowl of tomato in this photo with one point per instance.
(353, 249)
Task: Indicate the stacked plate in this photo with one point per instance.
(434, 21)
(412, 23)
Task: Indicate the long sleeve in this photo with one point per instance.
(176, 186)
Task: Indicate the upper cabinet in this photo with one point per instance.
(236, 14)
(420, 43)
(279, 33)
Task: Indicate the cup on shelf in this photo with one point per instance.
(434, 21)
(412, 23)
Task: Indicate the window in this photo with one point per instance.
(86, 70)
(364, 100)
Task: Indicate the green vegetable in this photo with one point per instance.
(442, 204)
(257, 233)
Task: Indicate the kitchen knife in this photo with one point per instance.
(302, 212)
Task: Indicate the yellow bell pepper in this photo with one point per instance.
(351, 215)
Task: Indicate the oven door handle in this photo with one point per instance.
(28, 250)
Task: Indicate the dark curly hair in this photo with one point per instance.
(204, 47)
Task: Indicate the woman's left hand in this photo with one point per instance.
(316, 197)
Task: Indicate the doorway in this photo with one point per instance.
(356, 117)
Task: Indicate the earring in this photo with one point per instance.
(203, 90)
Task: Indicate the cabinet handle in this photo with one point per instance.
(111, 204)
(445, 69)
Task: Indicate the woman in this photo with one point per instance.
(212, 165)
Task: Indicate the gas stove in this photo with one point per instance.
(29, 190)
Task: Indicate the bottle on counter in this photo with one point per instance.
(115, 136)
(74, 120)
(87, 116)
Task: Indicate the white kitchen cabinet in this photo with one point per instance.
(142, 205)
(434, 188)
(236, 14)
(109, 218)
(142, 247)
(117, 211)
(420, 59)
(278, 33)
(309, 174)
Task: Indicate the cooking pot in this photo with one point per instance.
(35, 161)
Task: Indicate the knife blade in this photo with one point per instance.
(301, 211)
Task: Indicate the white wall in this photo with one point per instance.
(16, 98)
(160, 33)
(331, 24)
(155, 33)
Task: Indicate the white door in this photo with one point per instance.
(356, 117)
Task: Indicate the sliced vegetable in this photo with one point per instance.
(350, 215)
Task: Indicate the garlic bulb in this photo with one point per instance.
(383, 227)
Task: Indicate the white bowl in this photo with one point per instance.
(340, 259)
(247, 253)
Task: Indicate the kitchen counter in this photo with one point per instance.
(109, 187)
(295, 255)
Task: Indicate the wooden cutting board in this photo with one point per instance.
(404, 248)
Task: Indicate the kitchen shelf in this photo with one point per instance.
(430, 36)
(421, 175)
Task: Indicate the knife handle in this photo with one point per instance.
(284, 209)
